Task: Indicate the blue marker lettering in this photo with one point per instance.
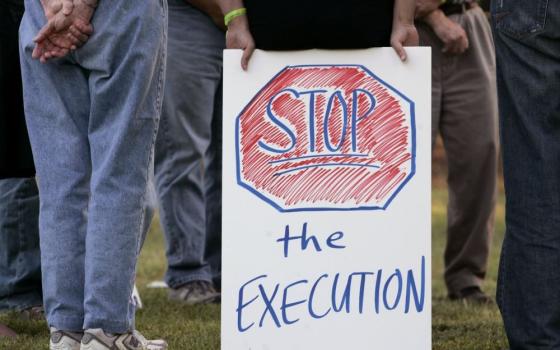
(280, 124)
(285, 305)
(354, 115)
(241, 305)
(344, 107)
(398, 276)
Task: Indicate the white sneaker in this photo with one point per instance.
(62, 340)
(97, 339)
(136, 300)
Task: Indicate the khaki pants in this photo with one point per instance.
(465, 112)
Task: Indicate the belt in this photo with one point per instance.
(453, 9)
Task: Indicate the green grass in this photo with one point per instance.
(456, 326)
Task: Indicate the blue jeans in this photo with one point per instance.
(527, 39)
(20, 259)
(188, 158)
(92, 119)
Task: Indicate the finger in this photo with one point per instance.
(454, 48)
(63, 40)
(37, 51)
(459, 47)
(399, 49)
(45, 32)
(84, 28)
(55, 50)
(54, 6)
(72, 41)
(247, 53)
(67, 7)
(80, 37)
(49, 47)
(59, 52)
(46, 56)
(462, 47)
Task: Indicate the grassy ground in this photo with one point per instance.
(456, 326)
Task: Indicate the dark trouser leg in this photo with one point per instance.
(213, 184)
(465, 113)
(528, 57)
(184, 139)
(20, 258)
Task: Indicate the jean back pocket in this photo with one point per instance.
(519, 18)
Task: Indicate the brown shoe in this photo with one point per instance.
(6, 332)
(472, 295)
(35, 313)
(196, 292)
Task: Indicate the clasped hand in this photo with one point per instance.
(68, 27)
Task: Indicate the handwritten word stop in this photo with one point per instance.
(326, 138)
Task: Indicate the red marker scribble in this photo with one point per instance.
(326, 137)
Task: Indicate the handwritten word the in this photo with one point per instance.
(305, 240)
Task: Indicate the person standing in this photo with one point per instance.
(20, 260)
(302, 24)
(188, 151)
(527, 37)
(92, 117)
(465, 114)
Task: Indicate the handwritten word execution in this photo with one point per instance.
(262, 301)
(332, 97)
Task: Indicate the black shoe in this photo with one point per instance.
(472, 295)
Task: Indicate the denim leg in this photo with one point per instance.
(93, 119)
(56, 98)
(194, 69)
(527, 34)
(20, 259)
(150, 206)
(126, 82)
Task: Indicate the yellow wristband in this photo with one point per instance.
(230, 16)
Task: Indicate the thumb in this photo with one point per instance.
(37, 51)
(247, 53)
(399, 49)
(45, 32)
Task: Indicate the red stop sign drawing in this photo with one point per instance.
(326, 137)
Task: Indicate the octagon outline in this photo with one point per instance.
(278, 207)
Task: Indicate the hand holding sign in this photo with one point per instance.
(239, 34)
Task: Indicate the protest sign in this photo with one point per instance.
(326, 201)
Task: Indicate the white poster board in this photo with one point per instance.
(326, 201)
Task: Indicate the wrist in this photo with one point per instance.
(403, 20)
(434, 18)
(238, 22)
(234, 14)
